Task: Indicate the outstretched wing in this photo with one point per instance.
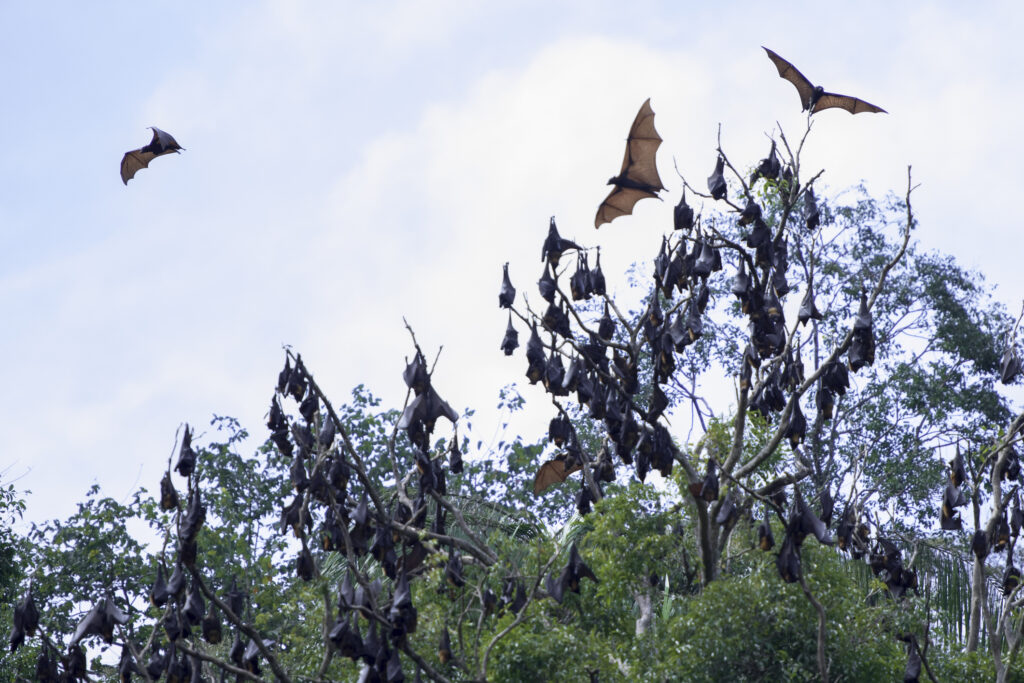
(638, 178)
(550, 473)
(639, 164)
(786, 70)
(619, 202)
(133, 161)
(161, 144)
(850, 104)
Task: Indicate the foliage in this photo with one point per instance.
(357, 519)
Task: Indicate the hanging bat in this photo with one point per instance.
(161, 144)
(638, 177)
(813, 97)
(552, 472)
(444, 649)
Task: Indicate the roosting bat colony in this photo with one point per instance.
(618, 373)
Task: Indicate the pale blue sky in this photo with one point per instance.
(349, 164)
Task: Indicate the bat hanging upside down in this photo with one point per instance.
(813, 97)
(161, 144)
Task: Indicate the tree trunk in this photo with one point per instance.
(977, 595)
(643, 602)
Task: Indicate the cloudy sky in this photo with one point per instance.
(348, 164)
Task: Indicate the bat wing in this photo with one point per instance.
(133, 161)
(638, 178)
(639, 164)
(619, 202)
(850, 104)
(793, 75)
(551, 473)
(162, 143)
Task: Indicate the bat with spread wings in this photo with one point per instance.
(813, 97)
(553, 472)
(638, 178)
(162, 143)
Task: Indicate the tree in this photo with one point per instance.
(413, 559)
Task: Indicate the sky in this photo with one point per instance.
(348, 165)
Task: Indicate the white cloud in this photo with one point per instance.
(347, 167)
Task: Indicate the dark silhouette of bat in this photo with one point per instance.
(552, 472)
(638, 178)
(161, 144)
(814, 97)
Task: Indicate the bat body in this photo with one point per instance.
(638, 178)
(161, 144)
(814, 98)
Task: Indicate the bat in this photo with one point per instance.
(575, 569)
(814, 98)
(750, 211)
(176, 584)
(553, 472)
(813, 217)
(768, 168)
(808, 309)
(1011, 577)
(788, 560)
(716, 181)
(1001, 533)
(727, 511)
(957, 472)
(127, 666)
(980, 544)
(194, 518)
(187, 456)
(638, 178)
(195, 606)
(508, 293)
(26, 620)
(100, 621)
(444, 649)
(707, 489)
(453, 570)
(682, 215)
(347, 638)
(912, 671)
(75, 664)
(402, 615)
(393, 671)
(212, 630)
(554, 245)
(1016, 518)
(513, 594)
(161, 144)
(304, 566)
(862, 350)
(803, 521)
(765, 539)
(46, 666)
(597, 281)
(1010, 366)
(168, 496)
(455, 455)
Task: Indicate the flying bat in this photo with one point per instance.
(638, 177)
(161, 144)
(813, 97)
